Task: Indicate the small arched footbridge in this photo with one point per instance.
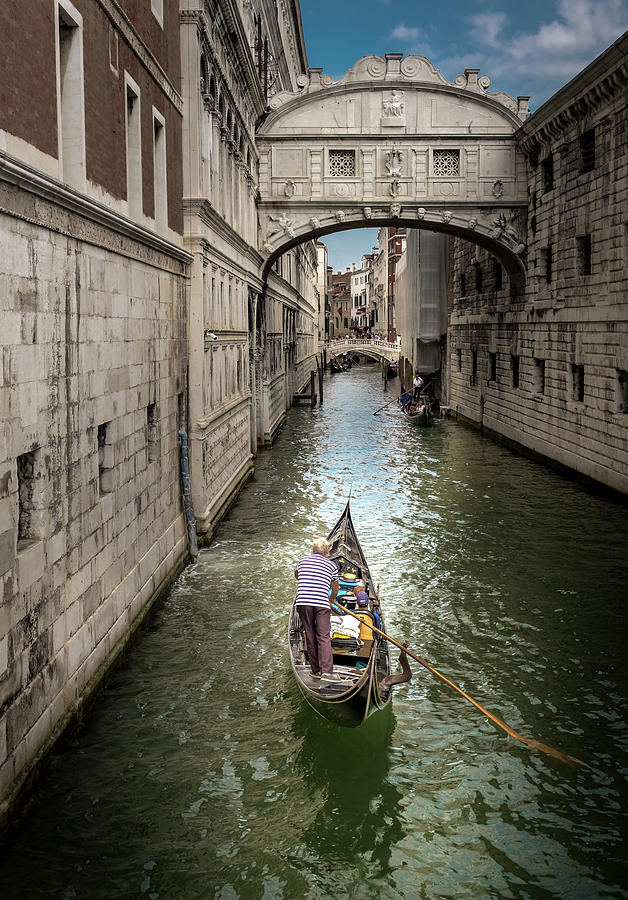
(368, 346)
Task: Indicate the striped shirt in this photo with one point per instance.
(316, 575)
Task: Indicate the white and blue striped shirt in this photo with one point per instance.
(316, 575)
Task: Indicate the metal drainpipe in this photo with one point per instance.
(187, 494)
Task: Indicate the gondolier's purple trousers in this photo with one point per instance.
(315, 621)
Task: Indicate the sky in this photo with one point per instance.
(529, 47)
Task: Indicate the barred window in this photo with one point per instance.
(446, 162)
(587, 150)
(341, 163)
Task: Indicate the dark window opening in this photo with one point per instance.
(26, 505)
(474, 366)
(548, 173)
(152, 437)
(105, 459)
(577, 382)
(498, 275)
(514, 365)
(492, 367)
(539, 373)
(459, 352)
(478, 278)
(584, 254)
(622, 383)
(587, 150)
(546, 257)
(463, 284)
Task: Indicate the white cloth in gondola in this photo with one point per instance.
(345, 627)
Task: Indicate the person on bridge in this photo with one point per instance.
(318, 584)
(417, 384)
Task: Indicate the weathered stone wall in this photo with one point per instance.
(92, 392)
(550, 370)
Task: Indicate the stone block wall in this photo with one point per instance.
(92, 393)
(548, 369)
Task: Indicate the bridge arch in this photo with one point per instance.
(394, 143)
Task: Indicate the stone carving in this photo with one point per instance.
(285, 224)
(394, 106)
(421, 212)
(290, 188)
(340, 216)
(472, 223)
(508, 227)
(446, 216)
(498, 189)
(395, 210)
(342, 190)
(394, 161)
(314, 222)
(268, 247)
(395, 187)
(368, 212)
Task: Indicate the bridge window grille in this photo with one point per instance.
(446, 162)
(342, 163)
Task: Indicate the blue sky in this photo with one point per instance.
(531, 47)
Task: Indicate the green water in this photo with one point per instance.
(202, 774)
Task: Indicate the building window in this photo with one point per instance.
(70, 94)
(474, 366)
(584, 254)
(105, 459)
(446, 162)
(152, 433)
(577, 382)
(587, 150)
(539, 376)
(478, 278)
(459, 352)
(342, 163)
(546, 263)
(514, 367)
(463, 284)
(622, 384)
(133, 148)
(498, 275)
(26, 505)
(492, 367)
(548, 173)
(159, 171)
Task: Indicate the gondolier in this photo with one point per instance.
(318, 581)
(417, 384)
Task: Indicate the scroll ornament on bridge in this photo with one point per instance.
(283, 224)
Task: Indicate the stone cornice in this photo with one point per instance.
(209, 216)
(61, 195)
(603, 81)
(121, 21)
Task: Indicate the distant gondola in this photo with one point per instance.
(393, 369)
(363, 662)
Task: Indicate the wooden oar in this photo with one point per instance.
(384, 406)
(536, 745)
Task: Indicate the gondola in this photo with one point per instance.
(363, 662)
(392, 369)
(422, 415)
(335, 365)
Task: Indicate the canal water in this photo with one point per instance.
(202, 773)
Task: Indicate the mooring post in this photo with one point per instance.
(312, 388)
(320, 384)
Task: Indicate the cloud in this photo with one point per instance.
(539, 62)
(403, 33)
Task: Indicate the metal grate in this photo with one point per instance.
(341, 163)
(587, 150)
(446, 162)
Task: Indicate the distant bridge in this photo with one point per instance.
(370, 347)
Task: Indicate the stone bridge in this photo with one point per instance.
(394, 143)
(377, 349)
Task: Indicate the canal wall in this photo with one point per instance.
(547, 367)
(92, 394)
